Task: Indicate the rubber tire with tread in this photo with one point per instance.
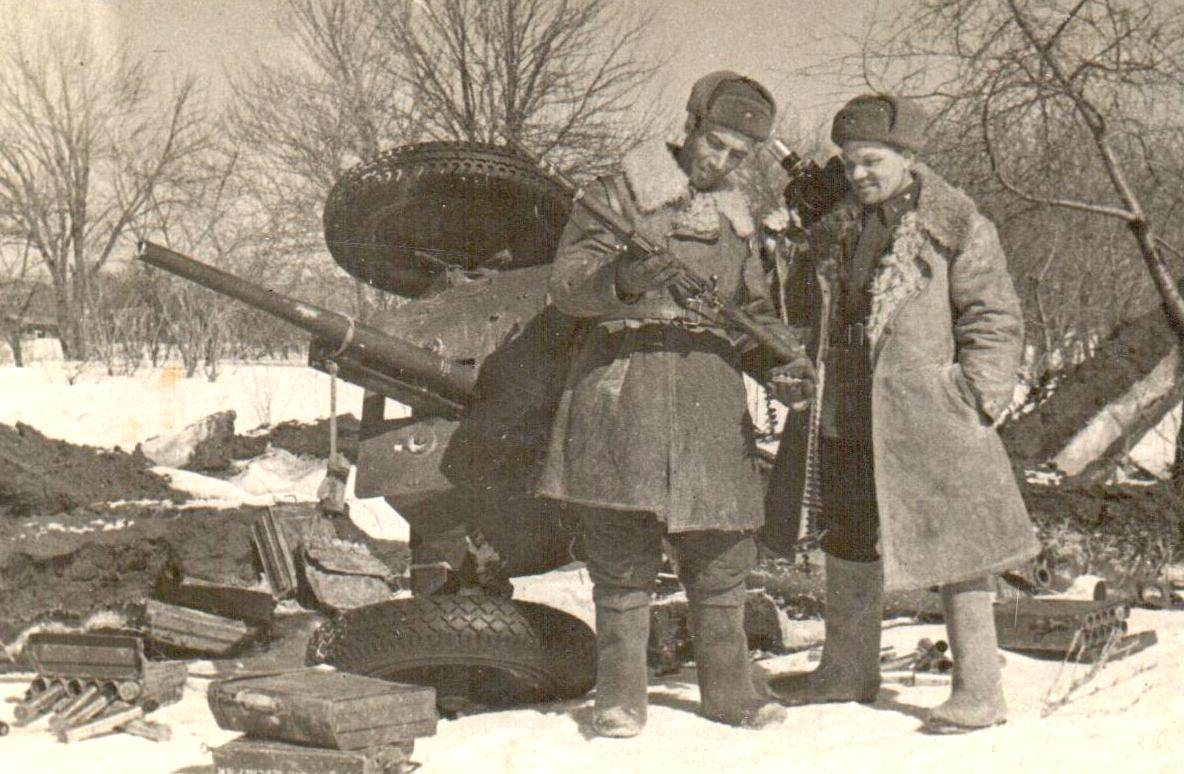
(459, 201)
(512, 652)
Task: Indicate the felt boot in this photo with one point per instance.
(976, 699)
(622, 633)
(726, 689)
(850, 665)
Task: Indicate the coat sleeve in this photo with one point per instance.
(583, 277)
(988, 324)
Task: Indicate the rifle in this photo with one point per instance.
(693, 291)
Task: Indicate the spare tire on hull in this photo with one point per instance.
(476, 650)
(402, 219)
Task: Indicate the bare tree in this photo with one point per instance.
(562, 77)
(1075, 104)
(85, 143)
(17, 295)
(305, 114)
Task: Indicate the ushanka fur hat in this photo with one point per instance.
(882, 118)
(732, 100)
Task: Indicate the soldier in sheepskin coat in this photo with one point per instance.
(652, 441)
(925, 344)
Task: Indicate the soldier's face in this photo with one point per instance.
(712, 153)
(877, 172)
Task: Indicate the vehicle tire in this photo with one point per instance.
(402, 219)
(476, 650)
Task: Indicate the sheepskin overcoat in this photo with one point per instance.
(945, 338)
(654, 415)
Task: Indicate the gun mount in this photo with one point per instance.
(467, 233)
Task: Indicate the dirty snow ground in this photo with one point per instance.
(1127, 718)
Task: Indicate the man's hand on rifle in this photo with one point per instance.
(793, 383)
(636, 276)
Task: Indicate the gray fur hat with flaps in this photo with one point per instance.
(734, 101)
(884, 118)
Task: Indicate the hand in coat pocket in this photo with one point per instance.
(965, 394)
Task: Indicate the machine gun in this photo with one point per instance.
(363, 354)
(812, 190)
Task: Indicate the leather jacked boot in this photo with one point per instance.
(976, 698)
(850, 665)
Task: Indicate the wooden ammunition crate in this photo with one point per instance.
(326, 709)
(261, 756)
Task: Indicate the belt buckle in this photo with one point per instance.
(849, 335)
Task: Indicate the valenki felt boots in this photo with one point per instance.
(850, 665)
(726, 689)
(976, 699)
(622, 633)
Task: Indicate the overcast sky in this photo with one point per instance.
(770, 40)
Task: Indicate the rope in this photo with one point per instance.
(332, 368)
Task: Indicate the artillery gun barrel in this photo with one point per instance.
(397, 359)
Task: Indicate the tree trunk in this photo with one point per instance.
(1178, 461)
(1111, 396)
(1094, 452)
(69, 324)
(18, 357)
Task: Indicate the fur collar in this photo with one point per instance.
(946, 213)
(943, 214)
(657, 181)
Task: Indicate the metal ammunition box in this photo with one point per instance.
(1063, 628)
(275, 554)
(326, 709)
(261, 756)
(163, 682)
(194, 630)
(91, 656)
(256, 608)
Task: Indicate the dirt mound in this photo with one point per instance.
(69, 565)
(1121, 533)
(65, 567)
(306, 439)
(44, 475)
